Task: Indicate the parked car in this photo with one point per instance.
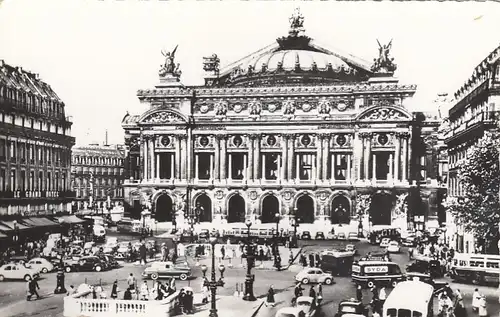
(319, 235)
(341, 236)
(393, 247)
(122, 247)
(204, 234)
(86, 264)
(159, 270)
(353, 236)
(288, 312)
(306, 235)
(314, 275)
(384, 243)
(110, 261)
(41, 264)
(16, 271)
(351, 248)
(409, 241)
(351, 306)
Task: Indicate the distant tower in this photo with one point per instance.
(106, 138)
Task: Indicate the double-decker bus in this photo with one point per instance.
(477, 269)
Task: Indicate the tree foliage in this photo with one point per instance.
(478, 209)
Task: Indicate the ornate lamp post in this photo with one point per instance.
(15, 237)
(214, 283)
(250, 260)
(276, 239)
(175, 241)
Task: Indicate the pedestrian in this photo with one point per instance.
(223, 252)
(312, 293)
(476, 300)
(204, 294)
(297, 293)
(382, 295)
(127, 295)
(270, 297)
(483, 309)
(114, 290)
(28, 289)
(410, 253)
(159, 291)
(359, 293)
(71, 291)
(163, 252)
(131, 282)
(144, 291)
(142, 253)
(311, 260)
(34, 287)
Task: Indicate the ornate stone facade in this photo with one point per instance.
(282, 139)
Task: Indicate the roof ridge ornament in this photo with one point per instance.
(384, 64)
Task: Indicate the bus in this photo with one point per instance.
(479, 269)
(129, 225)
(410, 299)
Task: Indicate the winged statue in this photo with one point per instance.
(170, 67)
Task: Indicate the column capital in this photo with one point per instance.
(403, 135)
(365, 135)
(324, 135)
(253, 136)
(181, 136)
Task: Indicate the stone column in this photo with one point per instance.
(230, 167)
(374, 167)
(216, 168)
(291, 147)
(391, 168)
(196, 165)
(158, 166)
(189, 156)
(326, 154)
(145, 157)
(223, 158)
(404, 172)
(151, 148)
(263, 170)
(397, 157)
(359, 150)
(250, 139)
(245, 167)
(319, 157)
(349, 168)
(256, 164)
(284, 156)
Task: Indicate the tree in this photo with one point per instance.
(478, 209)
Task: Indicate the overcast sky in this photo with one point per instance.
(97, 54)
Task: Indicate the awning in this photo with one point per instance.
(39, 222)
(10, 224)
(71, 219)
(4, 228)
(2, 236)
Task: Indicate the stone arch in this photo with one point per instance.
(397, 113)
(164, 207)
(381, 206)
(236, 208)
(340, 209)
(203, 207)
(269, 206)
(306, 207)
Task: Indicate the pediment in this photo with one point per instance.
(162, 117)
(386, 113)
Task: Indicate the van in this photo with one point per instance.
(339, 263)
(419, 304)
(370, 272)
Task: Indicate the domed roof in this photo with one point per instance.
(294, 60)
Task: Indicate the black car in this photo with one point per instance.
(306, 235)
(319, 235)
(432, 267)
(87, 263)
(110, 261)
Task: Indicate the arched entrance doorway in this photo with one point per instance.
(381, 209)
(270, 206)
(236, 209)
(203, 208)
(164, 208)
(340, 210)
(305, 209)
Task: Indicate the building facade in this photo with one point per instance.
(291, 129)
(474, 111)
(97, 175)
(35, 146)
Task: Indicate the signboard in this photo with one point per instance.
(356, 269)
(376, 269)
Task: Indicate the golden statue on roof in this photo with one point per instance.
(296, 23)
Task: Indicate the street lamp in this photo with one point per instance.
(15, 237)
(175, 240)
(250, 259)
(213, 283)
(275, 251)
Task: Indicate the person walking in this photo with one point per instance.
(142, 253)
(127, 295)
(131, 281)
(144, 291)
(223, 252)
(483, 309)
(204, 293)
(114, 290)
(34, 287)
(476, 300)
(270, 297)
(28, 289)
(359, 293)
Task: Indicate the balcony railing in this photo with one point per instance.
(80, 305)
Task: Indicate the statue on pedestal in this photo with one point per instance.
(384, 63)
(170, 68)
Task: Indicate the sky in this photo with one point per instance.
(97, 54)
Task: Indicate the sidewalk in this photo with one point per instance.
(226, 306)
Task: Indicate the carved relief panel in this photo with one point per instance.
(305, 141)
(270, 141)
(383, 139)
(165, 142)
(237, 142)
(204, 141)
(343, 140)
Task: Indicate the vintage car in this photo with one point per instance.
(409, 241)
(41, 264)
(122, 247)
(307, 305)
(158, 270)
(320, 235)
(351, 306)
(351, 248)
(86, 264)
(385, 242)
(314, 275)
(14, 271)
(393, 247)
(341, 236)
(353, 236)
(426, 265)
(288, 312)
(110, 261)
(306, 235)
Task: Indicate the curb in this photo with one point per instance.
(257, 309)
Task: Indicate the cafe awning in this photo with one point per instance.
(2, 236)
(5, 228)
(72, 219)
(10, 224)
(39, 222)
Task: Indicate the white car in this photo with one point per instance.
(393, 247)
(18, 272)
(288, 312)
(314, 275)
(385, 242)
(122, 247)
(41, 264)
